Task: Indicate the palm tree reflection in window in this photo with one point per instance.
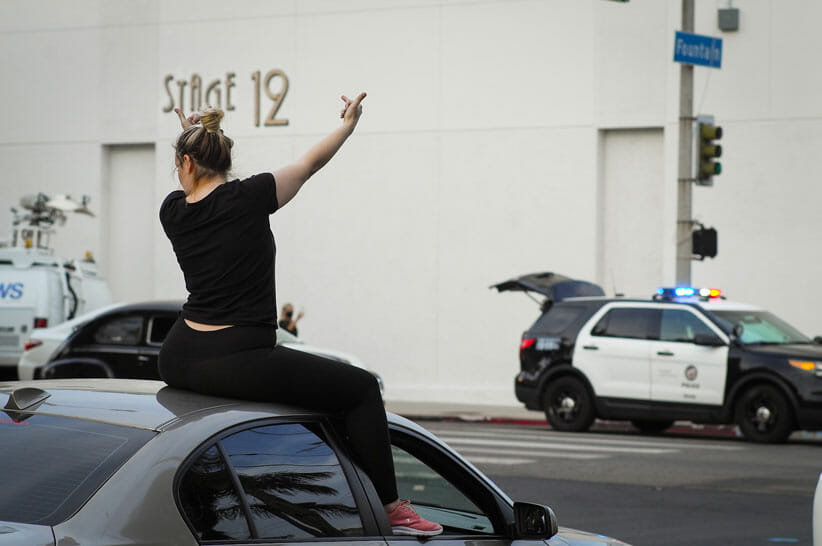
(293, 484)
(210, 501)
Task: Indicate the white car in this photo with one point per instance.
(123, 340)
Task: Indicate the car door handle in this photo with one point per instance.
(590, 347)
(143, 358)
(665, 353)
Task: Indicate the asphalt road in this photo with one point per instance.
(652, 490)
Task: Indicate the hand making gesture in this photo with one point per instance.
(187, 122)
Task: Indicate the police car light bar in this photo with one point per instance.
(687, 291)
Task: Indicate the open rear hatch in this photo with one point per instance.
(553, 286)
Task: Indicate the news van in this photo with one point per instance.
(38, 287)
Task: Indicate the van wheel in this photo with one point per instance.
(568, 405)
(647, 426)
(764, 415)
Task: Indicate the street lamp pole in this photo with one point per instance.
(684, 222)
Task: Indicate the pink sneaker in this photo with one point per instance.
(405, 520)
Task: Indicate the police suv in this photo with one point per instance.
(683, 354)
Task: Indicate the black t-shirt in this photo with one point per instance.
(226, 250)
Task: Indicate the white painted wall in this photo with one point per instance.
(128, 209)
(480, 155)
(630, 214)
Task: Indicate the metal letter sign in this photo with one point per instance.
(698, 49)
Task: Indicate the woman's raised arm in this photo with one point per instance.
(291, 178)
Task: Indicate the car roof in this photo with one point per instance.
(159, 305)
(170, 306)
(725, 305)
(145, 404)
(712, 304)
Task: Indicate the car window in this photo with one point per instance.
(158, 328)
(121, 330)
(627, 322)
(558, 318)
(57, 463)
(210, 500)
(284, 480)
(760, 327)
(436, 498)
(681, 325)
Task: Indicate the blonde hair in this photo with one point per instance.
(206, 144)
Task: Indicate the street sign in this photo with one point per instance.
(697, 49)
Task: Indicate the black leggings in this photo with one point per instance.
(245, 362)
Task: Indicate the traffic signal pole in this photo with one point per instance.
(684, 222)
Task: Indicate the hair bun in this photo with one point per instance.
(210, 118)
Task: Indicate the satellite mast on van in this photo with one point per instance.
(33, 227)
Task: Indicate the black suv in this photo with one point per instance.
(683, 354)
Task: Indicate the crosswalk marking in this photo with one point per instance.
(506, 461)
(453, 440)
(537, 454)
(580, 438)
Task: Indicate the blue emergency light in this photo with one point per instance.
(687, 292)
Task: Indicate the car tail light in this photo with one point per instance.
(527, 343)
(31, 344)
(40, 322)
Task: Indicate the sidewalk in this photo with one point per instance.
(446, 411)
(513, 415)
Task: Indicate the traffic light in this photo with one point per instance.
(708, 150)
(703, 243)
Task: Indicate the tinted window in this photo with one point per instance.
(626, 322)
(558, 318)
(210, 500)
(159, 327)
(291, 487)
(123, 330)
(681, 325)
(435, 498)
(52, 465)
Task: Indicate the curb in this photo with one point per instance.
(678, 428)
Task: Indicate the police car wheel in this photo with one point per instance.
(568, 405)
(764, 415)
(648, 426)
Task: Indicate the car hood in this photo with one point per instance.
(793, 350)
(24, 534)
(554, 286)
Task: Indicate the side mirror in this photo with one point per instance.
(708, 340)
(534, 521)
(818, 340)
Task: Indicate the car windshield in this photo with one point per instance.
(52, 465)
(760, 328)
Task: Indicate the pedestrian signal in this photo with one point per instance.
(704, 243)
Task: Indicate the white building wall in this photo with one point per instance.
(479, 156)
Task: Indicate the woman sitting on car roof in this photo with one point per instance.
(224, 342)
